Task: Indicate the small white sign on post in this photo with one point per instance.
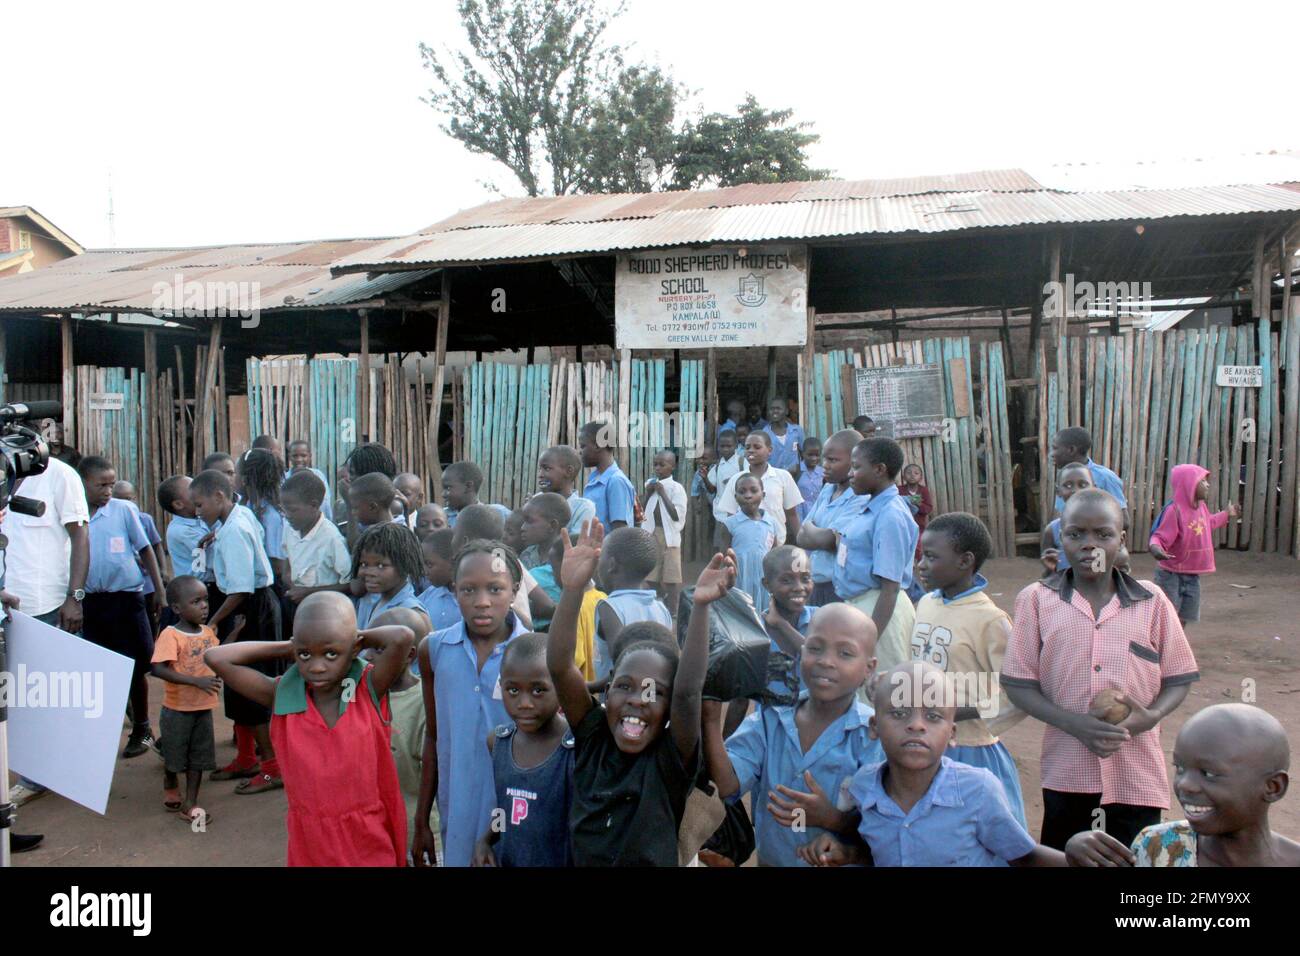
(107, 401)
(716, 297)
(1240, 376)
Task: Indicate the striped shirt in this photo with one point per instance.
(1135, 645)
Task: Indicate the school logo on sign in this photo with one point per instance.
(751, 294)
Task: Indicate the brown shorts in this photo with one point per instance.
(668, 569)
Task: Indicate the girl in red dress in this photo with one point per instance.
(330, 730)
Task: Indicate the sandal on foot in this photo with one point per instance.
(171, 799)
(195, 813)
(232, 771)
(259, 784)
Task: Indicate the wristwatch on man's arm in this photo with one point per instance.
(79, 595)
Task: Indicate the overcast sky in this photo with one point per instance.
(279, 120)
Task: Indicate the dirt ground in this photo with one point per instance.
(1245, 633)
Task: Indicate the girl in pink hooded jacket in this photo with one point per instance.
(1184, 542)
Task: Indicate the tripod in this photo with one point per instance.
(6, 808)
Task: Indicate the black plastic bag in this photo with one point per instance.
(734, 839)
(739, 648)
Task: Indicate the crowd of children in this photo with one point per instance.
(471, 685)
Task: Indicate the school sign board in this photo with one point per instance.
(715, 297)
(904, 401)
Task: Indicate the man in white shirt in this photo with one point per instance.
(46, 562)
(47, 557)
(781, 495)
(663, 504)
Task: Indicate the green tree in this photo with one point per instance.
(754, 146)
(522, 91)
(536, 88)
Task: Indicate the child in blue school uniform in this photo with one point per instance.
(558, 470)
(260, 477)
(532, 766)
(437, 599)
(241, 588)
(626, 560)
(751, 533)
(370, 503)
(459, 671)
(116, 613)
(461, 481)
(387, 561)
(788, 581)
(184, 533)
(125, 491)
(1071, 478)
(796, 761)
(607, 488)
(833, 505)
(809, 475)
(962, 632)
(919, 807)
(876, 548)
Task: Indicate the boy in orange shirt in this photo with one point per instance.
(189, 696)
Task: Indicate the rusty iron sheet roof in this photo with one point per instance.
(559, 226)
(293, 275)
(613, 206)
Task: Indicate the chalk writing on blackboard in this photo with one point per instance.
(905, 401)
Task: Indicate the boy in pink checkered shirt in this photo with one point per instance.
(1081, 631)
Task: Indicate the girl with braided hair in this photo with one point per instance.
(387, 561)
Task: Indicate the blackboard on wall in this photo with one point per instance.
(905, 401)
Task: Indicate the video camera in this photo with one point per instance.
(23, 452)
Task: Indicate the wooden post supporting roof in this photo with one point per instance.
(439, 375)
(153, 394)
(69, 381)
(203, 396)
(363, 393)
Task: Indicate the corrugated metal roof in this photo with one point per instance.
(547, 234)
(614, 206)
(293, 275)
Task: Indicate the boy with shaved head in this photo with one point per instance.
(918, 807)
(795, 761)
(1230, 766)
(1079, 632)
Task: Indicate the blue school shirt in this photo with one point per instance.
(752, 539)
(452, 513)
(239, 561)
(785, 450)
(183, 537)
(611, 494)
(441, 606)
(544, 575)
(580, 511)
(830, 513)
(963, 820)
(810, 486)
(1106, 480)
(469, 704)
(370, 606)
(1062, 562)
(879, 541)
(765, 751)
(116, 537)
(776, 685)
(273, 524)
(631, 605)
(153, 537)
